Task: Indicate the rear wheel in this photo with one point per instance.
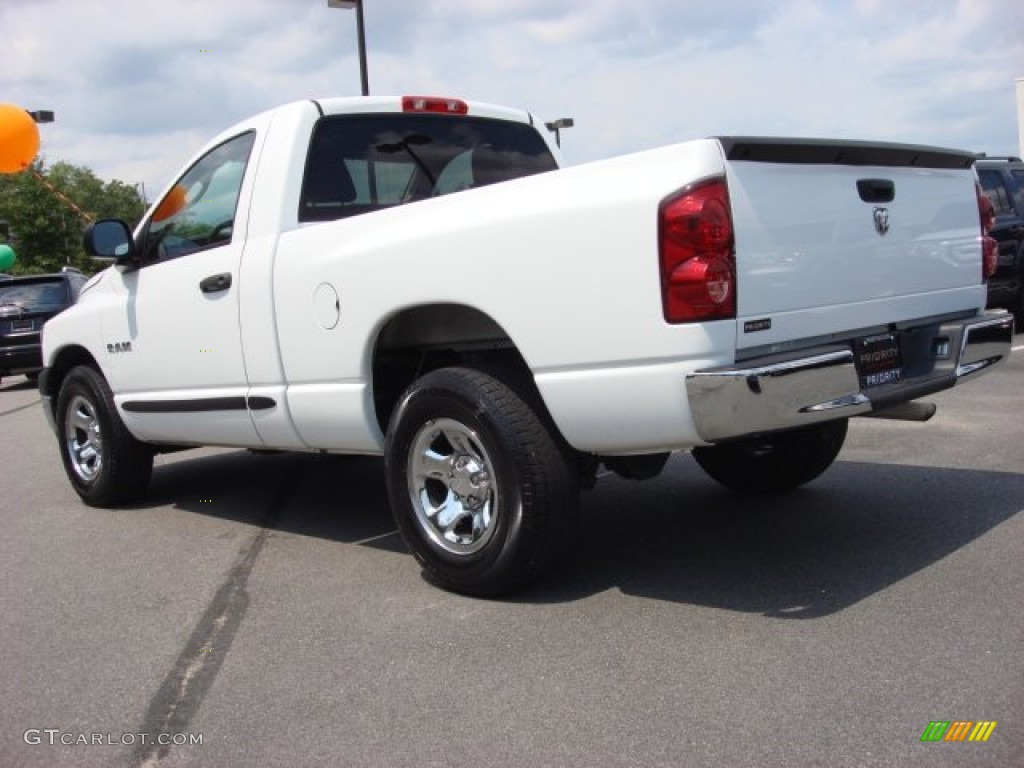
(105, 464)
(777, 462)
(479, 487)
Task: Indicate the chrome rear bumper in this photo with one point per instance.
(785, 392)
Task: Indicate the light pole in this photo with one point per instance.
(358, 5)
(1020, 114)
(557, 126)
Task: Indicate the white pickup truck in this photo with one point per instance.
(311, 283)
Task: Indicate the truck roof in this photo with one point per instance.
(416, 103)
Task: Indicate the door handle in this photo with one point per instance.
(215, 283)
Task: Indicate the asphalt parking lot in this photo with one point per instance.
(264, 604)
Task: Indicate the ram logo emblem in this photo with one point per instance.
(881, 220)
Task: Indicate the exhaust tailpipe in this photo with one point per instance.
(912, 411)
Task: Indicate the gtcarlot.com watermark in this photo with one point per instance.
(55, 736)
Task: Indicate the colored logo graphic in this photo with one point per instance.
(958, 730)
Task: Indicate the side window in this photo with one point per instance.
(995, 190)
(199, 211)
(1018, 178)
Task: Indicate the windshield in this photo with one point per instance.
(40, 297)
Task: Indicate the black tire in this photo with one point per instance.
(464, 446)
(105, 464)
(777, 462)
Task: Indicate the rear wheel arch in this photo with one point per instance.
(425, 338)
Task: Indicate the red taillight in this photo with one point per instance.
(698, 265)
(989, 246)
(434, 104)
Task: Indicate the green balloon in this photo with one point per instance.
(7, 257)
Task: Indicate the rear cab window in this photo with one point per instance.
(367, 162)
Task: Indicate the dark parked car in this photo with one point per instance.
(1003, 181)
(25, 304)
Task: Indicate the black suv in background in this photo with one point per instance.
(1002, 179)
(25, 304)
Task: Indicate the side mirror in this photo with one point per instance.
(109, 239)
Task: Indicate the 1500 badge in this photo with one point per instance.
(121, 346)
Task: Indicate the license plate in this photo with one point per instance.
(878, 360)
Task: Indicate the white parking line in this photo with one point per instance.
(33, 404)
(376, 538)
(1016, 349)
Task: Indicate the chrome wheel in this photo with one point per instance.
(452, 486)
(82, 439)
(481, 490)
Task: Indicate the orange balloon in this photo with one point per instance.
(171, 204)
(19, 139)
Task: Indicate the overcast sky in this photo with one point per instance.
(139, 85)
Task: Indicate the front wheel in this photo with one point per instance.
(105, 464)
(777, 462)
(479, 486)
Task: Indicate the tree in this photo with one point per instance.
(45, 230)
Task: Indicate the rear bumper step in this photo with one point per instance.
(823, 384)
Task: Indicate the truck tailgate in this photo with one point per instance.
(839, 236)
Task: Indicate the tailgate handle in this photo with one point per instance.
(876, 190)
